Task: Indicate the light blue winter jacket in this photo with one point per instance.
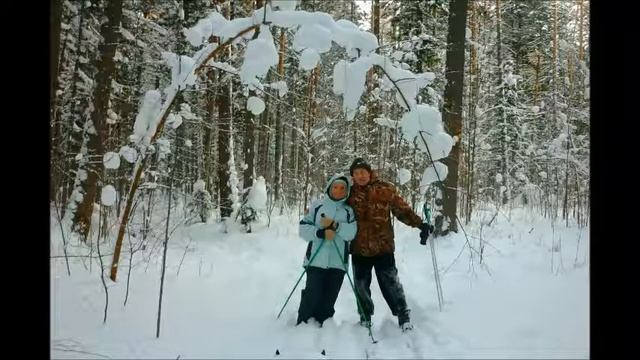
(343, 215)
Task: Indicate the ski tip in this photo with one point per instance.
(277, 352)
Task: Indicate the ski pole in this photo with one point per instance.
(300, 278)
(360, 308)
(436, 273)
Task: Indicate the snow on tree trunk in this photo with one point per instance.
(97, 128)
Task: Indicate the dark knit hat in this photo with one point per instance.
(359, 163)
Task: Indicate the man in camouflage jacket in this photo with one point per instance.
(373, 201)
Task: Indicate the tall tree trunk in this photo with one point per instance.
(224, 133)
(294, 159)
(375, 17)
(249, 149)
(101, 96)
(579, 77)
(354, 126)
(308, 117)
(279, 127)
(473, 98)
(470, 131)
(55, 19)
(73, 144)
(249, 137)
(453, 104)
(373, 106)
(209, 124)
(266, 136)
(499, 38)
(555, 95)
(501, 112)
(223, 102)
(536, 83)
(580, 30)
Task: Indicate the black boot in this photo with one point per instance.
(404, 322)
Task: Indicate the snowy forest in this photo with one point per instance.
(181, 124)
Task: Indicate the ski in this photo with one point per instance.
(323, 352)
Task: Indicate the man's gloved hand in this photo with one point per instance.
(425, 230)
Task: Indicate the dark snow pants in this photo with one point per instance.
(387, 275)
(320, 294)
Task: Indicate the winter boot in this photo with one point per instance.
(406, 326)
(404, 322)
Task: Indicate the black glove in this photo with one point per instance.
(320, 233)
(425, 230)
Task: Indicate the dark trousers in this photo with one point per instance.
(320, 294)
(387, 275)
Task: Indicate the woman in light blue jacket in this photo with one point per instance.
(329, 225)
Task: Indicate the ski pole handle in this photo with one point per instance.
(427, 220)
(427, 213)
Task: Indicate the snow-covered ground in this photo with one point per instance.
(223, 293)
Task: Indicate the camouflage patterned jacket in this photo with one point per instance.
(373, 205)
